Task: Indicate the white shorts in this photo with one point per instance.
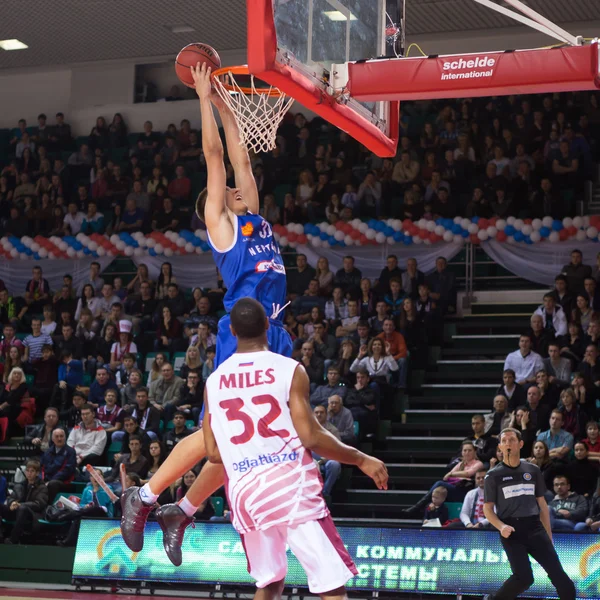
(317, 546)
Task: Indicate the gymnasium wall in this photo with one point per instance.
(85, 91)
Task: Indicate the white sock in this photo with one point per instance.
(187, 507)
(147, 496)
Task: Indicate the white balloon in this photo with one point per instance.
(339, 235)
(449, 236)
(567, 222)
(439, 230)
(390, 240)
(323, 226)
(159, 249)
(511, 220)
(330, 230)
(578, 222)
(380, 237)
(168, 252)
(397, 225)
(203, 236)
(518, 224)
(51, 256)
(283, 241)
(199, 250)
(3, 240)
(102, 252)
(42, 252)
(465, 223)
(536, 224)
(114, 238)
(417, 240)
(35, 247)
(554, 237)
(482, 234)
(317, 242)
(120, 246)
(427, 242)
(431, 226)
(348, 241)
(79, 236)
(547, 221)
(293, 245)
(71, 253)
(63, 246)
(136, 235)
(580, 236)
(23, 256)
(510, 240)
(458, 239)
(363, 228)
(93, 246)
(492, 231)
(526, 229)
(355, 223)
(169, 235)
(299, 229)
(371, 233)
(81, 253)
(473, 228)
(180, 242)
(138, 252)
(457, 220)
(128, 251)
(592, 232)
(7, 246)
(189, 247)
(422, 223)
(535, 236)
(151, 243)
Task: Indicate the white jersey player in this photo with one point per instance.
(258, 423)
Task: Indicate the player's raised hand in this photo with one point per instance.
(376, 470)
(201, 76)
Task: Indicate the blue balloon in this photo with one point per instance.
(205, 247)
(557, 225)
(528, 240)
(509, 230)
(133, 243)
(323, 235)
(341, 243)
(388, 231)
(69, 239)
(475, 219)
(372, 223)
(152, 252)
(519, 237)
(439, 221)
(398, 236)
(37, 256)
(77, 245)
(14, 240)
(544, 232)
(28, 251)
(456, 228)
(407, 240)
(308, 228)
(87, 251)
(332, 240)
(196, 242)
(464, 233)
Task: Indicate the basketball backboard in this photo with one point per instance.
(293, 44)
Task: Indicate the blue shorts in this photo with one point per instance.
(279, 340)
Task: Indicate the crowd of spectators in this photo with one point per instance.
(124, 362)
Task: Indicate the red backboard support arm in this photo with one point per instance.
(483, 74)
(262, 62)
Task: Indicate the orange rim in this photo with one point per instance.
(220, 74)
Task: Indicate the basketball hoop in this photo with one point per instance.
(258, 110)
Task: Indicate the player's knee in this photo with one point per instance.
(526, 581)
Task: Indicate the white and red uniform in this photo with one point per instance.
(273, 484)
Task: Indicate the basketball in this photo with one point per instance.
(190, 56)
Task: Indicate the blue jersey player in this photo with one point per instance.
(250, 263)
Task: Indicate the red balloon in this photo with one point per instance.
(563, 234)
(302, 239)
(363, 238)
(423, 234)
(413, 230)
(501, 236)
(355, 234)
(474, 239)
(292, 237)
(406, 223)
(483, 223)
(492, 222)
(572, 230)
(433, 237)
(527, 221)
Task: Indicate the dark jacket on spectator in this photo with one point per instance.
(97, 391)
(72, 416)
(577, 505)
(297, 283)
(144, 437)
(38, 431)
(349, 282)
(576, 275)
(485, 446)
(59, 464)
(34, 496)
(518, 398)
(367, 396)
(150, 418)
(315, 370)
(46, 372)
(583, 475)
(172, 438)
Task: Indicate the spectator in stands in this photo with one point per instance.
(132, 217)
(572, 345)
(361, 400)
(485, 444)
(330, 469)
(37, 292)
(181, 187)
(540, 337)
(9, 340)
(40, 436)
(557, 368)
(592, 292)
(341, 418)
(567, 509)
(592, 523)
(539, 414)
(442, 285)
(574, 418)
(514, 392)
(394, 298)
(175, 300)
(164, 393)
(583, 472)
(135, 462)
(397, 348)
(336, 309)
(377, 360)
(68, 342)
(549, 393)
(59, 464)
(179, 431)
(559, 441)
(348, 277)
(124, 346)
(110, 414)
(583, 312)
(333, 387)
(499, 418)
(349, 324)
(590, 367)
(88, 438)
(471, 514)
(521, 421)
(73, 220)
(412, 278)
(437, 510)
(191, 395)
(524, 362)
(11, 396)
(131, 428)
(26, 504)
(314, 365)
(101, 383)
(145, 414)
(563, 296)
(554, 319)
(592, 441)
(576, 272)
(387, 273)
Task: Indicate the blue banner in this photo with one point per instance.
(388, 559)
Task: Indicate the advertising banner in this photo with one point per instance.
(388, 559)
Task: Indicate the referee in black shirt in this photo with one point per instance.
(516, 489)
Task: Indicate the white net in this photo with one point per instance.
(258, 114)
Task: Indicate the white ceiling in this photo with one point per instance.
(61, 32)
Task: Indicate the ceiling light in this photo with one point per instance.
(12, 45)
(336, 15)
(181, 29)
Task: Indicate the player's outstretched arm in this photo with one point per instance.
(314, 437)
(238, 156)
(212, 450)
(215, 211)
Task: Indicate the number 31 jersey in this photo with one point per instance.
(271, 478)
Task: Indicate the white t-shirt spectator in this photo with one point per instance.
(74, 222)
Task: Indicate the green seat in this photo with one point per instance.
(113, 449)
(149, 360)
(29, 379)
(356, 428)
(453, 509)
(190, 424)
(87, 380)
(218, 504)
(178, 361)
(21, 336)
